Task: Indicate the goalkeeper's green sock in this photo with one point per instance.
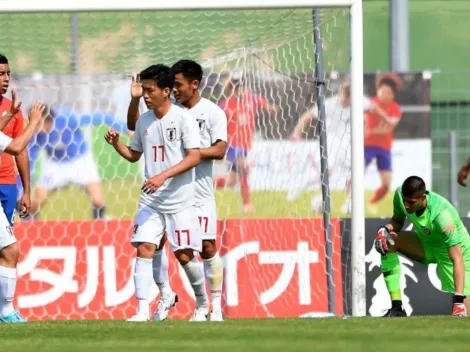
(391, 270)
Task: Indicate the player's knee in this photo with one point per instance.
(184, 256)
(209, 249)
(10, 255)
(146, 250)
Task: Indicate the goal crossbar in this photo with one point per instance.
(139, 5)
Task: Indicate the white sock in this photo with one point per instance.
(7, 290)
(214, 272)
(195, 274)
(143, 283)
(160, 273)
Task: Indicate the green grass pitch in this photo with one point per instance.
(331, 334)
(122, 197)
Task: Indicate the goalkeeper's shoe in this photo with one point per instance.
(395, 312)
(164, 306)
(13, 318)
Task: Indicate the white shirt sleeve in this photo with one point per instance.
(218, 126)
(190, 132)
(136, 142)
(4, 141)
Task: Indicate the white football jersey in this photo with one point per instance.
(212, 123)
(338, 118)
(164, 143)
(4, 141)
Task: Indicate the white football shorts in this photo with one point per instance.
(7, 237)
(81, 172)
(182, 228)
(207, 216)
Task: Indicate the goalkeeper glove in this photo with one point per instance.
(458, 306)
(382, 240)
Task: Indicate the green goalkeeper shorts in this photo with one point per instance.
(445, 267)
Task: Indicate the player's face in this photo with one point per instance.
(385, 94)
(4, 77)
(414, 203)
(154, 96)
(184, 89)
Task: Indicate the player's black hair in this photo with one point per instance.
(162, 75)
(413, 186)
(389, 83)
(190, 69)
(3, 60)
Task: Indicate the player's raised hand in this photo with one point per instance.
(112, 137)
(153, 184)
(36, 114)
(462, 176)
(136, 87)
(382, 241)
(15, 102)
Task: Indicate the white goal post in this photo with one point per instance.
(356, 74)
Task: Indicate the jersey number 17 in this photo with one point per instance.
(158, 150)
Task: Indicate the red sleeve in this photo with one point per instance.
(19, 124)
(396, 111)
(261, 102)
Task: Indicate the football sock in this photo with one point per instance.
(143, 282)
(391, 270)
(214, 272)
(379, 194)
(160, 273)
(7, 290)
(195, 274)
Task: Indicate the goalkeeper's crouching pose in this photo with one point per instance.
(439, 237)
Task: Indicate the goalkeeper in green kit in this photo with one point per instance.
(439, 237)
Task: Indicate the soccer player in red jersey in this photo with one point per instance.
(380, 121)
(241, 108)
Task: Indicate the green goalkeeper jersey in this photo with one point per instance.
(438, 228)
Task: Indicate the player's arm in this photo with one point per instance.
(132, 153)
(218, 134)
(304, 121)
(18, 144)
(22, 160)
(133, 113)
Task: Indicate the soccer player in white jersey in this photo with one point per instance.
(338, 117)
(212, 123)
(9, 250)
(168, 137)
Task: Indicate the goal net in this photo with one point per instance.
(271, 227)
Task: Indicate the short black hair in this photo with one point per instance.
(389, 83)
(190, 69)
(3, 60)
(160, 74)
(412, 186)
